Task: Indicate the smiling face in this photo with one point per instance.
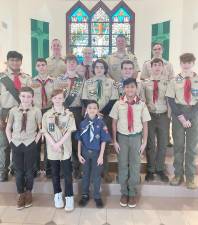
(127, 71)
(186, 66)
(56, 47)
(71, 65)
(99, 69)
(121, 43)
(88, 55)
(130, 90)
(157, 51)
(92, 110)
(14, 64)
(58, 100)
(26, 99)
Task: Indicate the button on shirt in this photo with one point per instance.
(140, 115)
(101, 134)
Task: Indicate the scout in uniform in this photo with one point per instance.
(103, 90)
(130, 116)
(182, 96)
(127, 71)
(57, 125)
(72, 84)
(153, 92)
(23, 133)
(56, 63)
(114, 61)
(85, 68)
(92, 137)
(157, 51)
(10, 82)
(43, 86)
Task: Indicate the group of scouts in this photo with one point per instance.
(77, 111)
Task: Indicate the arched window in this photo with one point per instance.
(98, 28)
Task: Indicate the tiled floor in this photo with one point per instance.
(150, 211)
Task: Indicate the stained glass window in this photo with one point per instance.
(98, 28)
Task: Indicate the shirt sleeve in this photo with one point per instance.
(114, 93)
(170, 72)
(136, 66)
(72, 124)
(170, 92)
(145, 114)
(39, 118)
(144, 73)
(44, 124)
(114, 111)
(142, 92)
(10, 118)
(104, 133)
(84, 92)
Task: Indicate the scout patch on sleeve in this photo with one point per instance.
(194, 92)
(35, 84)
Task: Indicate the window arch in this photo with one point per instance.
(98, 28)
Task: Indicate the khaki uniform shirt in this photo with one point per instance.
(176, 89)
(64, 82)
(66, 124)
(37, 87)
(55, 66)
(34, 119)
(147, 72)
(114, 62)
(146, 93)
(140, 115)
(81, 69)
(109, 90)
(6, 99)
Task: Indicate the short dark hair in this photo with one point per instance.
(126, 62)
(14, 54)
(71, 57)
(156, 60)
(41, 60)
(129, 81)
(157, 43)
(187, 58)
(89, 102)
(27, 89)
(102, 62)
(121, 36)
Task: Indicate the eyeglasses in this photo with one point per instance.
(155, 49)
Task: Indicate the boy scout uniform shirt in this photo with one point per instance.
(66, 124)
(114, 62)
(37, 87)
(176, 89)
(109, 90)
(55, 66)
(34, 119)
(146, 93)
(140, 115)
(167, 71)
(101, 134)
(74, 91)
(7, 101)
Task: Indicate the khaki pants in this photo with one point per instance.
(185, 146)
(129, 163)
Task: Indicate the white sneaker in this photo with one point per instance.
(58, 200)
(69, 205)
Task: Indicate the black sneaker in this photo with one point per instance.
(83, 201)
(99, 203)
(163, 177)
(149, 176)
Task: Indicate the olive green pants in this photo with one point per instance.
(129, 163)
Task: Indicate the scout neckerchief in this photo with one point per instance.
(130, 115)
(24, 118)
(187, 90)
(87, 75)
(99, 89)
(43, 91)
(155, 91)
(16, 81)
(89, 128)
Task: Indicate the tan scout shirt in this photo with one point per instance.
(6, 99)
(66, 124)
(37, 87)
(140, 115)
(55, 66)
(146, 93)
(71, 91)
(147, 72)
(34, 119)
(176, 89)
(81, 69)
(114, 62)
(109, 90)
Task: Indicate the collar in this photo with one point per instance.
(63, 111)
(39, 77)
(66, 75)
(99, 77)
(124, 99)
(154, 77)
(21, 108)
(93, 120)
(191, 74)
(10, 72)
(53, 57)
(116, 54)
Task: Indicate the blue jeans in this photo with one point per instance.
(91, 170)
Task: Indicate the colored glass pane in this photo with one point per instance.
(79, 16)
(121, 15)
